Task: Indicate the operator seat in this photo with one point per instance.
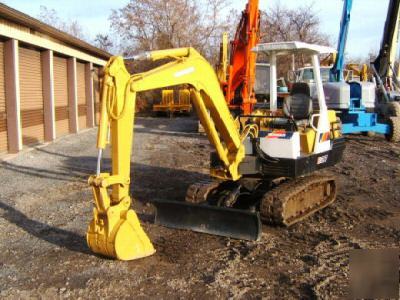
(299, 104)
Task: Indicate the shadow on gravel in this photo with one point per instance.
(39, 172)
(185, 127)
(73, 168)
(147, 181)
(168, 133)
(188, 125)
(59, 237)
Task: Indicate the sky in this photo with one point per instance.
(365, 33)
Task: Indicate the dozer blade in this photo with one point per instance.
(228, 222)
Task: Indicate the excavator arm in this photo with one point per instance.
(242, 66)
(384, 62)
(115, 230)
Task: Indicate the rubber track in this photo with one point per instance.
(199, 191)
(275, 201)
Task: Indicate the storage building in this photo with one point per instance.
(49, 82)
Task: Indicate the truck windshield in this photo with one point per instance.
(308, 74)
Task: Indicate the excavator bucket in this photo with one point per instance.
(126, 240)
(115, 230)
(228, 222)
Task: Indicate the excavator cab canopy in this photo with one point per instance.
(273, 50)
(284, 48)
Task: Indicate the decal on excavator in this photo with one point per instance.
(184, 72)
(324, 136)
(322, 159)
(279, 134)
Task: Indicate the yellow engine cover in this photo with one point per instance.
(307, 140)
(335, 124)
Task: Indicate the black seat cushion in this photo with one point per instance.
(300, 88)
(299, 104)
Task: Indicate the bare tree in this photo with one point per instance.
(105, 42)
(160, 24)
(301, 23)
(50, 17)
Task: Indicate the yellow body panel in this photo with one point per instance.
(335, 124)
(307, 140)
(332, 116)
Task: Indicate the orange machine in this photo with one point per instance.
(239, 86)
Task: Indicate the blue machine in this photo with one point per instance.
(357, 119)
(336, 73)
(348, 99)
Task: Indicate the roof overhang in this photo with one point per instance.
(20, 18)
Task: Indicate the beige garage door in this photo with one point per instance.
(82, 106)
(31, 96)
(61, 95)
(3, 116)
(96, 88)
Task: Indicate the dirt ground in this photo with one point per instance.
(45, 206)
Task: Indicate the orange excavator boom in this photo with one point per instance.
(239, 87)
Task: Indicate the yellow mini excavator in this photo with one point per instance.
(260, 168)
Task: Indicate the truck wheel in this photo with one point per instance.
(394, 124)
(393, 109)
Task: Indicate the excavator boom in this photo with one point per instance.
(384, 62)
(115, 230)
(239, 87)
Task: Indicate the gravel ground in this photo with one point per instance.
(45, 206)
